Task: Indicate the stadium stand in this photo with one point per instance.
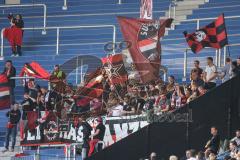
(75, 42)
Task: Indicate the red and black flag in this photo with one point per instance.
(4, 92)
(213, 35)
(34, 69)
(145, 49)
(93, 88)
(114, 67)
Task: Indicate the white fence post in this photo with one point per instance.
(219, 57)
(76, 79)
(57, 44)
(119, 1)
(224, 55)
(45, 19)
(64, 7)
(216, 58)
(185, 66)
(2, 44)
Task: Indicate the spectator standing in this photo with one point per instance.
(238, 62)
(178, 97)
(200, 156)
(14, 35)
(235, 69)
(197, 69)
(196, 78)
(191, 154)
(10, 72)
(171, 84)
(97, 136)
(237, 137)
(116, 109)
(162, 103)
(27, 105)
(233, 149)
(58, 73)
(226, 71)
(210, 74)
(153, 156)
(14, 117)
(19, 21)
(86, 130)
(212, 145)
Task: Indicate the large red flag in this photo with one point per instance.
(115, 69)
(145, 47)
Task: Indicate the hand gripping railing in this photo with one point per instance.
(32, 5)
(58, 33)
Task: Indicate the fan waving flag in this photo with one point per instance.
(4, 92)
(35, 70)
(145, 48)
(213, 35)
(115, 69)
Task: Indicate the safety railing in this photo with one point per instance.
(58, 33)
(65, 6)
(198, 20)
(218, 51)
(32, 5)
(218, 58)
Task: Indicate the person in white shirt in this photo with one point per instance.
(210, 74)
(116, 110)
(190, 154)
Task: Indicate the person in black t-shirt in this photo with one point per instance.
(14, 117)
(213, 144)
(86, 130)
(97, 136)
(27, 105)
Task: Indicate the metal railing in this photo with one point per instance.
(58, 33)
(198, 20)
(218, 57)
(65, 6)
(218, 51)
(32, 5)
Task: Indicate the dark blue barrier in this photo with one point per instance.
(219, 107)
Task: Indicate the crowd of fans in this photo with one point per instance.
(124, 99)
(162, 96)
(213, 150)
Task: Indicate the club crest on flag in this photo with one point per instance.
(51, 131)
(200, 35)
(113, 70)
(148, 39)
